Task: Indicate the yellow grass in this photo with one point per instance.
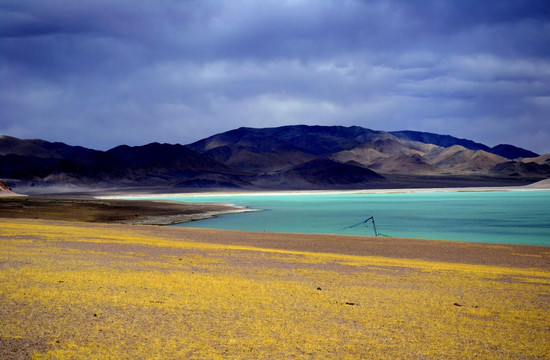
(97, 291)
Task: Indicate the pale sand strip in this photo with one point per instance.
(543, 185)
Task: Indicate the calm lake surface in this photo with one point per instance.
(509, 217)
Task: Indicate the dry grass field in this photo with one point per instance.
(73, 290)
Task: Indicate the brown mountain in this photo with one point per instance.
(290, 157)
(412, 164)
(40, 163)
(541, 160)
(389, 156)
(39, 148)
(505, 150)
(521, 169)
(322, 174)
(272, 151)
(456, 159)
(254, 161)
(392, 156)
(277, 148)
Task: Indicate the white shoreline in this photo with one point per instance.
(532, 187)
(184, 218)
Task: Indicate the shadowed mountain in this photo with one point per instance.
(439, 140)
(512, 152)
(322, 174)
(149, 165)
(503, 150)
(257, 160)
(157, 157)
(169, 164)
(273, 149)
(40, 148)
(290, 157)
(521, 169)
(404, 152)
(541, 160)
(320, 141)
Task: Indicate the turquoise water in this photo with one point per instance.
(510, 217)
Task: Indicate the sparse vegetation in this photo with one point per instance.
(71, 290)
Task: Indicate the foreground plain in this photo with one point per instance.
(84, 290)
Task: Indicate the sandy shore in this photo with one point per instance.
(109, 210)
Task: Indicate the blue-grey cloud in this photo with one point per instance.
(102, 73)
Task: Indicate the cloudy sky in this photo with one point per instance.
(101, 73)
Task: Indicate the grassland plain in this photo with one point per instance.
(81, 290)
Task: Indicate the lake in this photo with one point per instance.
(508, 217)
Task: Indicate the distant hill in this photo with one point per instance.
(403, 152)
(322, 174)
(149, 165)
(504, 150)
(40, 148)
(512, 152)
(287, 157)
(439, 140)
(281, 147)
(520, 169)
(541, 160)
(317, 140)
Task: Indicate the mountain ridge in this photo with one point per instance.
(286, 157)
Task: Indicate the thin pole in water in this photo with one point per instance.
(373, 225)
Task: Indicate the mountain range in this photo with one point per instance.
(288, 157)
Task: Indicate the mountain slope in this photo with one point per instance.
(403, 152)
(503, 150)
(405, 164)
(521, 169)
(270, 149)
(149, 165)
(39, 148)
(320, 141)
(249, 160)
(459, 159)
(439, 140)
(541, 160)
(512, 152)
(322, 174)
(388, 156)
(290, 157)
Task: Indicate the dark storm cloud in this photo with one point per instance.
(101, 73)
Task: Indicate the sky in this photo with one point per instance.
(101, 73)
